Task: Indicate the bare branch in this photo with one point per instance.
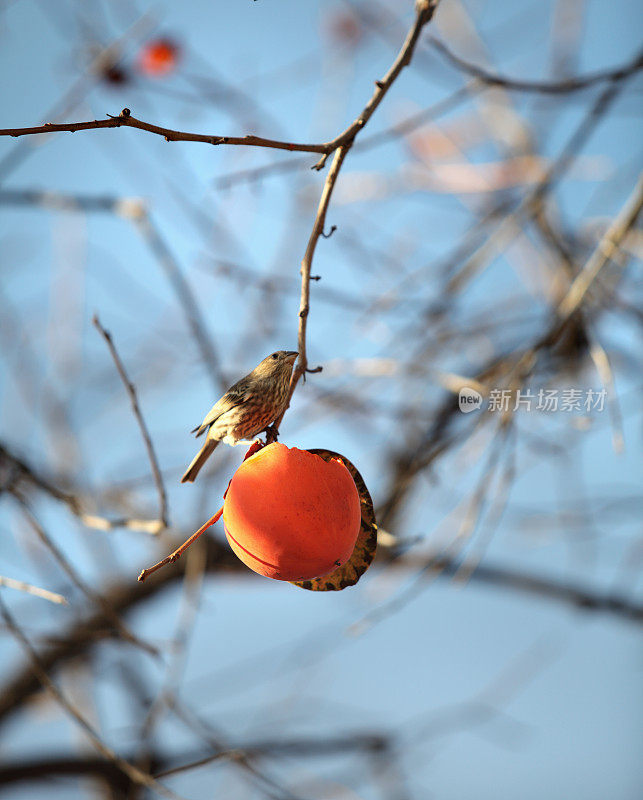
(532, 202)
(393, 132)
(20, 472)
(306, 265)
(36, 591)
(424, 11)
(607, 250)
(193, 315)
(131, 391)
(125, 119)
(566, 86)
(75, 578)
(341, 145)
(35, 769)
(176, 554)
(124, 597)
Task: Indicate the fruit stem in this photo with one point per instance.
(180, 550)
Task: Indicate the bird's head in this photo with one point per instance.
(278, 364)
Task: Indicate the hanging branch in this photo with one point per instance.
(425, 10)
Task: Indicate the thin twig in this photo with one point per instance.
(131, 391)
(134, 210)
(20, 471)
(213, 739)
(606, 251)
(306, 265)
(176, 554)
(192, 586)
(79, 89)
(191, 309)
(393, 132)
(322, 746)
(36, 591)
(532, 201)
(424, 11)
(341, 145)
(125, 119)
(59, 201)
(126, 596)
(76, 579)
(566, 86)
(603, 368)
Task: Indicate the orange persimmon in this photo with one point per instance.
(291, 515)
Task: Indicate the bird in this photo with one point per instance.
(246, 409)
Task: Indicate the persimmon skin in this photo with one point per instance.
(290, 515)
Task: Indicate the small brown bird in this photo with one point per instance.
(247, 408)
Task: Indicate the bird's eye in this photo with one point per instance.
(274, 355)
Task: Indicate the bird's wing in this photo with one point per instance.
(236, 395)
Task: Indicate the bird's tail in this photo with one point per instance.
(199, 460)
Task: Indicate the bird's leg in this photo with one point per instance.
(271, 433)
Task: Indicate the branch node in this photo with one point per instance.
(319, 165)
(125, 113)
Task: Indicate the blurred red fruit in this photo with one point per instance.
(290, 515)
(158, 57)
(345, 28)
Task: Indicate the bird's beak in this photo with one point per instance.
(291, 355)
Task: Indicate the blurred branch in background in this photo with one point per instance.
(133, 773)
(36, 591)
(124, 598)
(149, 447)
